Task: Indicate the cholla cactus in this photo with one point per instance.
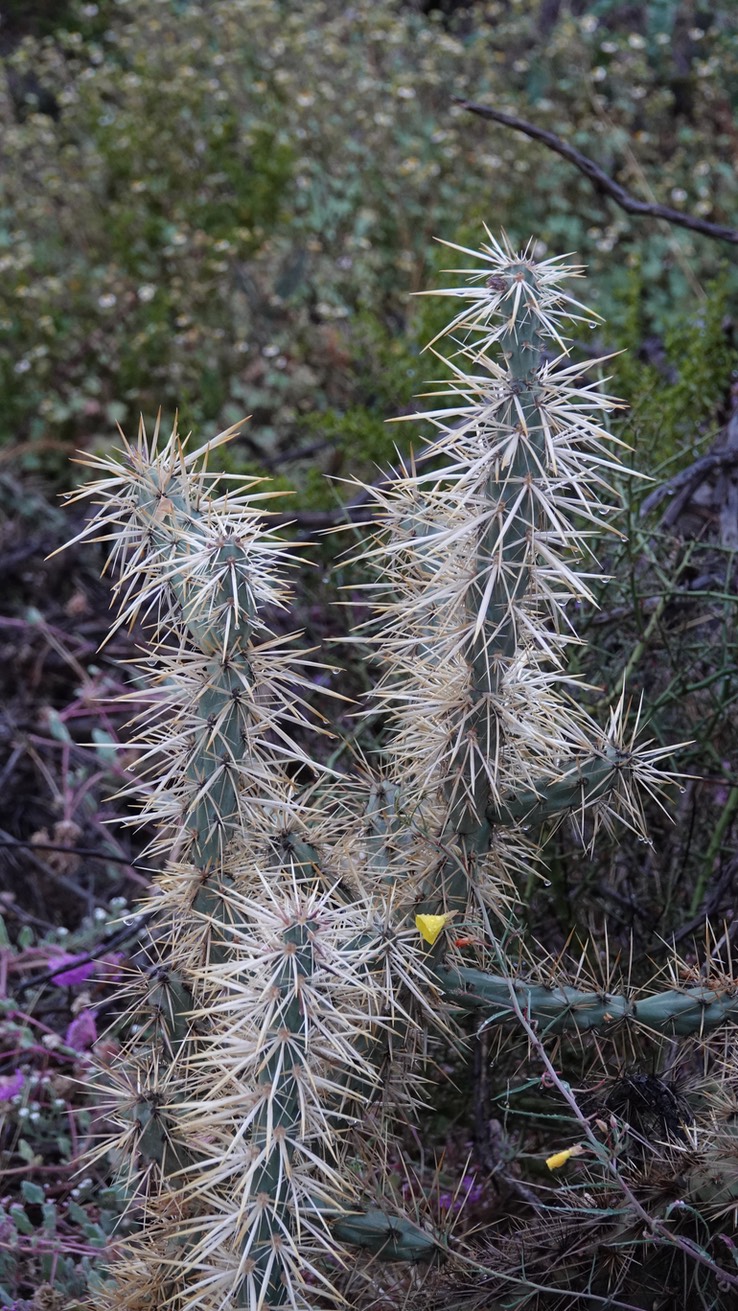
(477, 562)
(300, 955)
(269, 987)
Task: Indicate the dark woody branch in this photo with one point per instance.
(597, 176)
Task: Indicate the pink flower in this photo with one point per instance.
(69, 978)
(82, 1032)
(10, 1086)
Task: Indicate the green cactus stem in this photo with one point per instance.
(674, 1013)
(389, 1238)
(578, 787)
(196, 568)
(478, 563)
(277, 1123)
(500, 580)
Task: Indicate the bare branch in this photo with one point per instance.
(597, 176)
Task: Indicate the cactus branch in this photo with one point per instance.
(674, 1013)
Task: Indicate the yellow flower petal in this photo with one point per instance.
(430, 926)
(558, 1159)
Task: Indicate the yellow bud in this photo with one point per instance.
(429, 926)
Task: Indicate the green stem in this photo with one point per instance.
(562, 1009)
(503, 550)
(579, 785)
(276, 1127)
(713, 849)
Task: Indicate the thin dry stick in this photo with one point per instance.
(611, 1303)
(68, 849)
(686, 482)
(600, 179)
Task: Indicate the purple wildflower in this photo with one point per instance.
(79, 972)
(469, 1192)
(474, 1190)
(110, 967)
(10, 1086)
(82, 1032)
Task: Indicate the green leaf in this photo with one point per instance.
(20, 1220)
(33, 1193)
(64, 1144)
(26, 1152)
(56, 725)
(76, 1213)
(107, 748)
(95, 1234)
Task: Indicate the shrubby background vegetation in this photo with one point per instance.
(225, 208)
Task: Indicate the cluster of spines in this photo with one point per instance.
(254, 1072)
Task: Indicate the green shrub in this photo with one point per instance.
(226, 197)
